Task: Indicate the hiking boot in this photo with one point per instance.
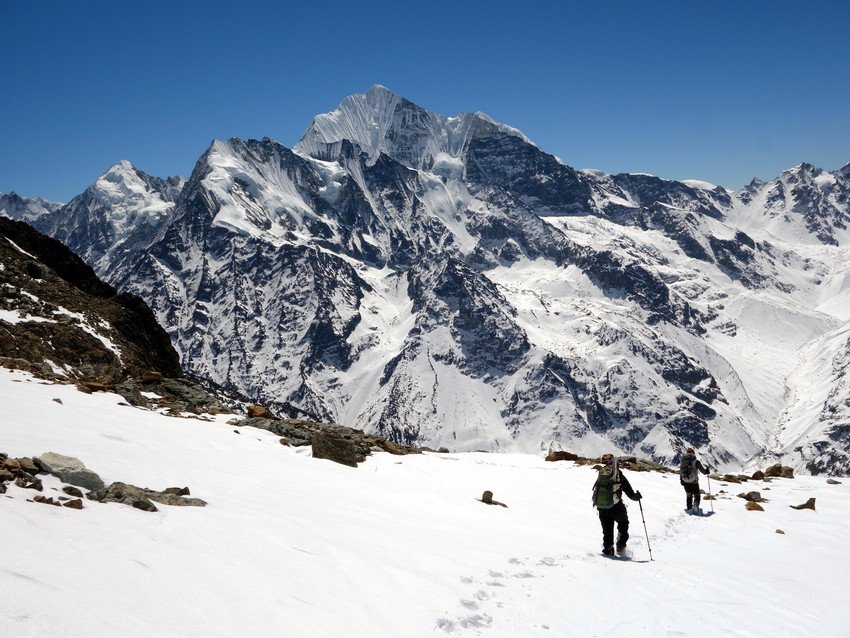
(621, 549)
(608, 551)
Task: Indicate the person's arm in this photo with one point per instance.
(627, 488)
(702, 468)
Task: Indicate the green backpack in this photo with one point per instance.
(688, 469)
(607, 486)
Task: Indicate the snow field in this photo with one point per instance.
(399, 547)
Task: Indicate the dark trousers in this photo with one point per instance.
(692, 491)
(608, 517)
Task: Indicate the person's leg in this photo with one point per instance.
(622, 518)
(693, 495)
(607, 522)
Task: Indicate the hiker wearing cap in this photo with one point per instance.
(608, 500)
(689, 479)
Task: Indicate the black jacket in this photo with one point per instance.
(626, 487)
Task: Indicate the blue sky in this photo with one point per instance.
(719, 91)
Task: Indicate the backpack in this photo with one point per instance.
(688, 469)
(607, 487)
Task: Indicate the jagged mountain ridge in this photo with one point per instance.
(26, 209)
(444, 281)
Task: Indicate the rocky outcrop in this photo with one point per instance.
(141, 497)
(335, 442)
(779, 470)
(336, 445)
(69, 470)
(71, 324)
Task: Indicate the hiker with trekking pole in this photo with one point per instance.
(689, 478)
(608, 500)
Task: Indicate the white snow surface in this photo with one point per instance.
(399, 547)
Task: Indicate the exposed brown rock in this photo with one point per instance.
(808, 505)
(754, 507)
(758, 475)
(76, 504)
(28, 466)
(561, 455)
(70, 490)
(13, 465)
(259, 412)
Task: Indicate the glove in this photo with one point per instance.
(638, 495)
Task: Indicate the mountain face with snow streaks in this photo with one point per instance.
(443, 281)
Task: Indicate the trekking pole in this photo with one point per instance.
(710, 497)
(644, 529)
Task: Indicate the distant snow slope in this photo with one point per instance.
(443, 281)
(289, 545)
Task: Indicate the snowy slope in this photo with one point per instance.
(399, 547)
(442, 280)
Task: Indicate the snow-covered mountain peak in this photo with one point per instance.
(380, 121)
(128, 196)
(28, 209)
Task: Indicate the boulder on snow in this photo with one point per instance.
(808, 505)
(731, 478)
(779, 470)
(28, 466)
(75, 504)
(487, 497)
(69, 470)
(44, 499)
(758, 475)
(832, 482)
(123, 493)
(754, 507)
(29, 482)
(779, 531)
(753, 497)
(561, 455)
(331, 445)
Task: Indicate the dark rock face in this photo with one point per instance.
(508, 162)
(335, 446)
(68, 294)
